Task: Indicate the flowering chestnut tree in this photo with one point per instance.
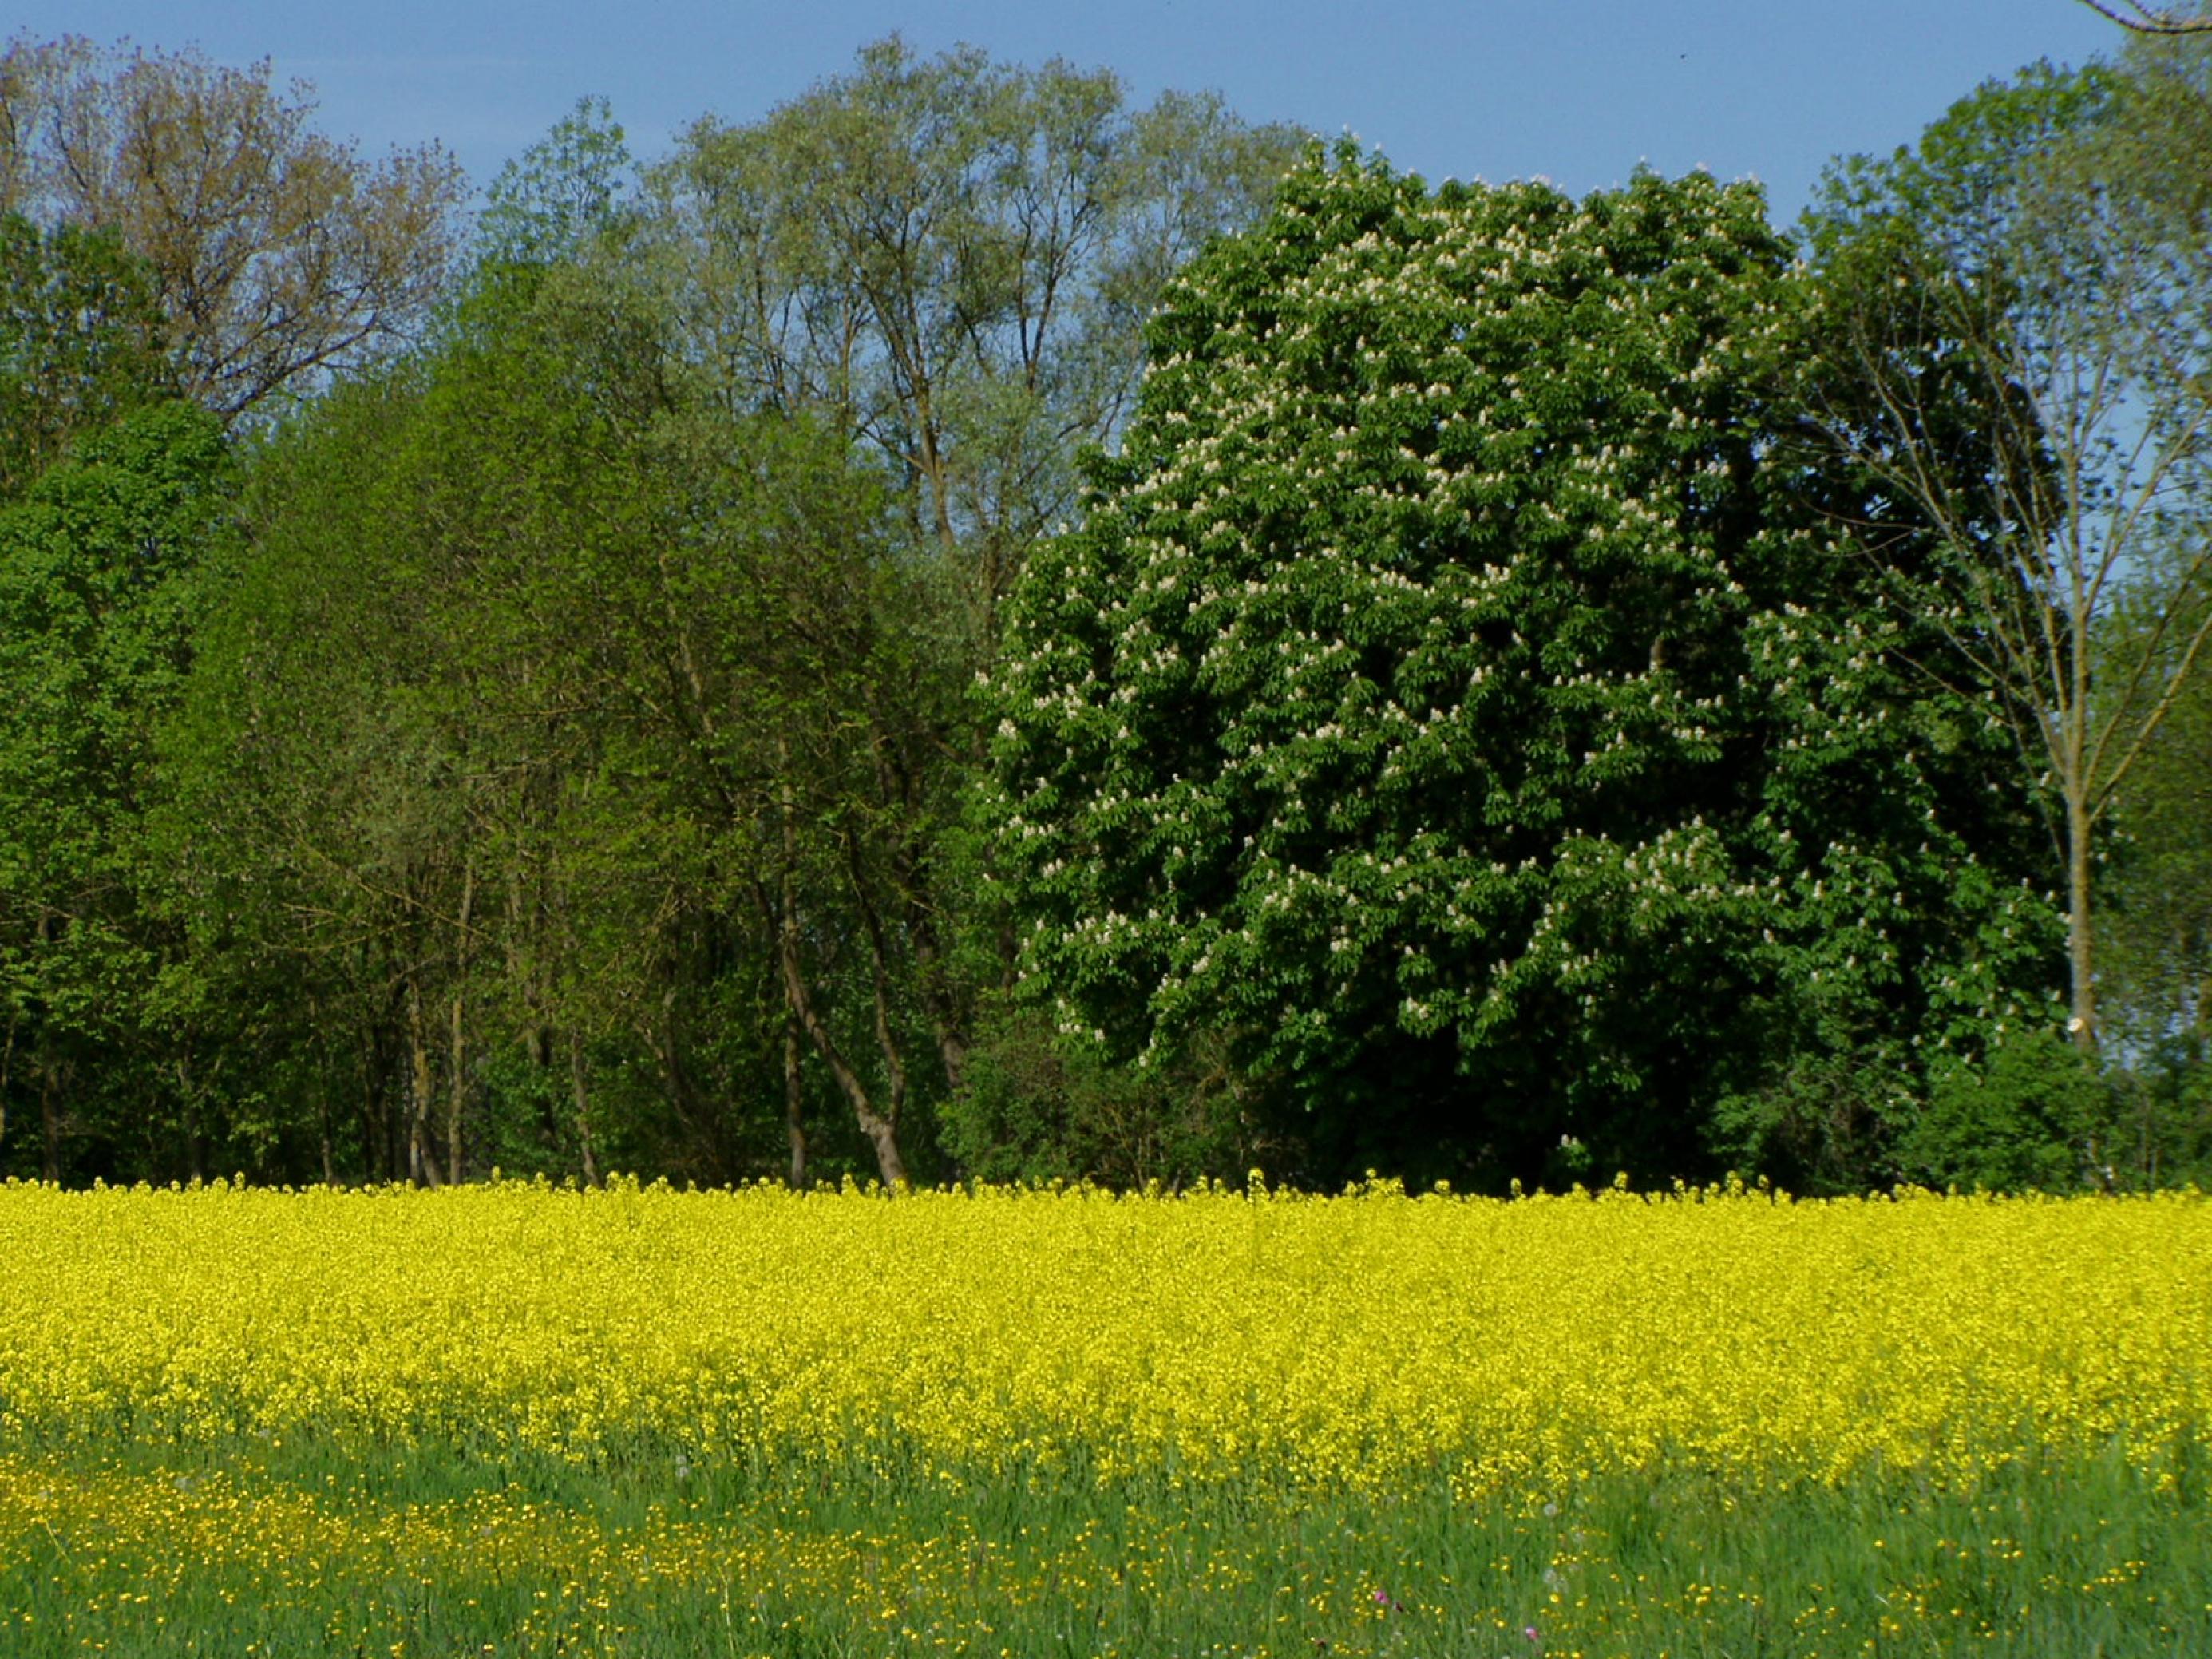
(1449, 700)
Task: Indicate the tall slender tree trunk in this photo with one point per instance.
(323, 1126)
(881, 1131)
(50, 1118)
(195, 1140)
(525, 952)
(794, 1103)
(375, 1141)
(579, 1095)
(879, 980)
(782, 918)
(456, 1082)
(937, 1003)
(50, 1160)
(8, 1066)
(661, 1035)
(2080, 925)
(909, 871)
(422, 1160)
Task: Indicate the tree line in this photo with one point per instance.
(967, 628)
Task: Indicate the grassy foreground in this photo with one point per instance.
(512, 1420)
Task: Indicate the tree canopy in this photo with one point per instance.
(2010, 334)
(81, 343)
(968, 626)
(1445, 697)
(951, 256)
(275, 254)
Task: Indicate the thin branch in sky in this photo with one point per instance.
(2146, 20)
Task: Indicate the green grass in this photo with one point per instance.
(309, 1550)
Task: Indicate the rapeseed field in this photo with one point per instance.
(514, 1418)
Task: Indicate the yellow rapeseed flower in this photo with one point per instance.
(1358, 1340)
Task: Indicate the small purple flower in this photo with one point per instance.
(1533, 1633)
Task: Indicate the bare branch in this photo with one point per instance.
(2143, 20)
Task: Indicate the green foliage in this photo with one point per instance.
(589, 712)
(1963, 190)
(2035, 1114)
(80, 343)
(2007, 337)
(1034, 1109)
(2161, 1132)
(541, 701)
(951, 258)
(101, 588)
(1507, 709)
(568, 195)
(2156, 897)
(1827, 1123)
(1449, 700)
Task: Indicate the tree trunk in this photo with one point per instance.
(932, 981)
(661, 1036)
(580, 1094)
(782, 918)
(2080, 927)
(457, 1049)
(882, 1132)
(49, 1119)
(528, 982)
(375, 1140)
(794, 1103)
(422, 1160)
(8, 1067)
(457, 1086)
(322, 1126)
(195, 1140)
(887, 1041)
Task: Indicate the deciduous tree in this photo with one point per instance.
(952, 258)
(100, 590)
(81, 343)
(2012, 337)
(276, 253)
(1446, 705)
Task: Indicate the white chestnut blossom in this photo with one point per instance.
(1444, 680)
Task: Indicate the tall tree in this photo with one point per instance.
(378, 734)
(2160, 884)
(554, 709)
(100, 590)
(952, 258)
(947, 261)
(565, 196)
(276, 253)
(2035, 279)
(1446, 704)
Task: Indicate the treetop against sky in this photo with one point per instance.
(1445, 88)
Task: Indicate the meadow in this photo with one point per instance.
(513, 1418)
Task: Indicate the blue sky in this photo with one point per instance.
(1578, 91)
